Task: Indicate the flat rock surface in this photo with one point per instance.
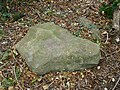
(48, 47)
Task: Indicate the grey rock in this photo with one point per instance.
(48, 48)
(92, 27)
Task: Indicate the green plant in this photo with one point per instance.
(77, 33)
(5, 55)
(2, 33)
(109, 8)
(4, 14)
(6, 82)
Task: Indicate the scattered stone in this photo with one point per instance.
(48, 47)
(105, 88)
(11, 88)
(93, 28)
(117, 39)
(98, 67)
(113, 79)
(4, 42)
(45, 87)
(82, 75)
(28, 88)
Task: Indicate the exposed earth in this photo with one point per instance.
(14, 72)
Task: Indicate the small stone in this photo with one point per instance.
(68, 84)
(96, 12)
(11, 88)
(39, 79)
(58, 13)
(113, 79)
(105, 88)
(28, 88)
(105, 32)
(45, 87)
(72, 85)
(82, 75)
(104, 81)
(52, 78)
(57, 78)
(117, 39)
(88, 1)
(103, 12)
(60, 76)
(4, 42)
(98, 67)
(75, 24)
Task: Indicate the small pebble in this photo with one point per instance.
(56, 78)
(39, 79)
(117, 39)
(52, 78)
(98, 67)
(11, 88)
(28, 88)
(58, 13)
(4, 42)
(45, 87)
(105, 88)
(113, 79)
(88, 1)
(103, 12)
(82, 75)
(68, 84)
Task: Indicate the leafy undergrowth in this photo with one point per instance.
(7, 13)
(108, 8)
(15, 74)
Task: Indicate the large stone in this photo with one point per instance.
(48, 47)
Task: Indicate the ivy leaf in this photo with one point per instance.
(2, 33)
(5, 55)
(6, 82)
(6, 14)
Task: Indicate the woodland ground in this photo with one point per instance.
(14, 72)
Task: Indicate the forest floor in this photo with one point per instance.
(14, 72)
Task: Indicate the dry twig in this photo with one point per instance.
(106, 38)
(116, 83)
(16, 78)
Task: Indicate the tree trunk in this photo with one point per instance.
(116, 24)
